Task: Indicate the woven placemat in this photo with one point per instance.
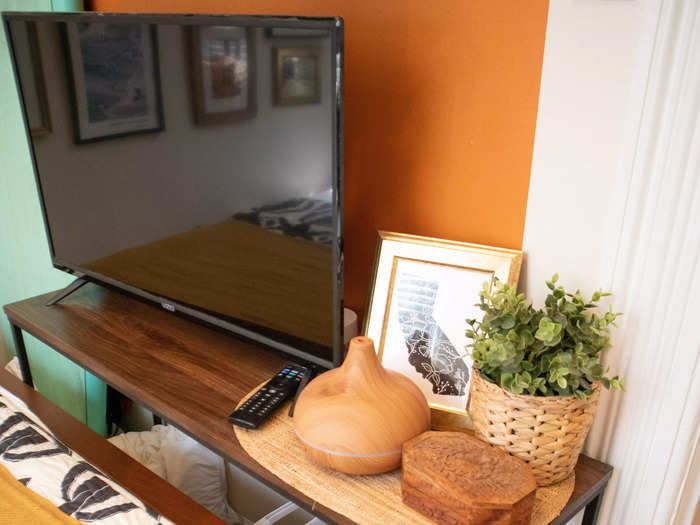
(362, 499)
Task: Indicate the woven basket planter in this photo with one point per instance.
(546, 432)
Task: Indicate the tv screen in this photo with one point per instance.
(195, 161)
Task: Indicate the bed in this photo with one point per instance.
(51, 465)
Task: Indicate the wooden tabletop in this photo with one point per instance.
(188, 373)
(153, 491)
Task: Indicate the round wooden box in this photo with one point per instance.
(356, 418)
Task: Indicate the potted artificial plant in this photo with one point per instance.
(537, 375)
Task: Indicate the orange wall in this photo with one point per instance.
(440, 110)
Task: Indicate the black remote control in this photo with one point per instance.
(269, 397)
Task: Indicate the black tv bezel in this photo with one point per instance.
(335, 25)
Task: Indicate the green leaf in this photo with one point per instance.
(527, 366)
(507, 381)
(547, 330)
(553, 350)
(507, 322)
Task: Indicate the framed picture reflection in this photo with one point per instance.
(296, 72)
(123, 99)
(223, 73)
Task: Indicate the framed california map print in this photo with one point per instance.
(422, 292)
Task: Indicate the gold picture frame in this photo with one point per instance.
(422, 291)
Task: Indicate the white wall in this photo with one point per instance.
(188, 175)
(593, 74)
(614, 202)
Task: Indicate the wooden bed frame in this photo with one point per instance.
(152, 490)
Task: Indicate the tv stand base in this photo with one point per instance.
(65, 292)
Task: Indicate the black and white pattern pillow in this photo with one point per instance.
(45, 465)
(310, 219)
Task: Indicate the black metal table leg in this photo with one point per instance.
(21, 350)
(590, 513)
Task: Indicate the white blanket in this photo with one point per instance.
(192, 468)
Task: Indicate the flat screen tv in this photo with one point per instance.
(195, 161)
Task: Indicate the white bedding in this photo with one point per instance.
(38, 460)
(190, 467)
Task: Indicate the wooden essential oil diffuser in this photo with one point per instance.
(356, 418)
(456, 479)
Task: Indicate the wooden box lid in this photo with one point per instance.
(453, 477)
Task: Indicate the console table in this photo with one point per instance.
(193, 376)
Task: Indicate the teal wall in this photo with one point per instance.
(66, 5)
(25, 262)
